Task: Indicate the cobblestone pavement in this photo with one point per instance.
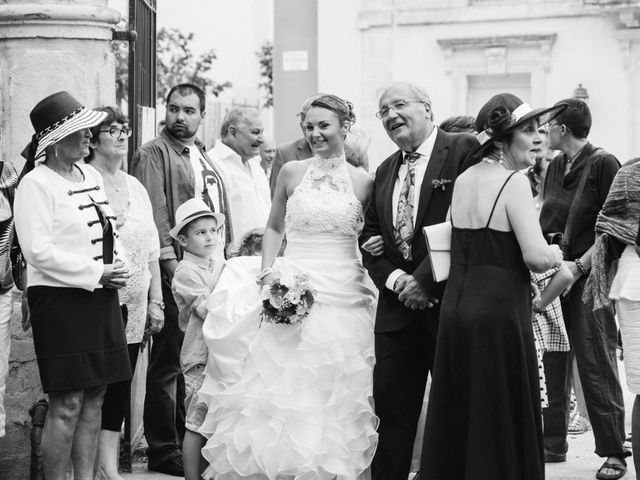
(581, 463)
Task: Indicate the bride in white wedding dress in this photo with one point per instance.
(294, 402)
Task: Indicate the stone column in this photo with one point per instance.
(44, 47)
(629, 41)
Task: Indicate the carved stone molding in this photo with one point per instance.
(37, 20)
(462, 54)
(376, 13)
(629, 41)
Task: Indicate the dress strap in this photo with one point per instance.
(498, 197)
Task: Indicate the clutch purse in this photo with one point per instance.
(438, 239)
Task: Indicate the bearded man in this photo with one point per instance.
(174, 167)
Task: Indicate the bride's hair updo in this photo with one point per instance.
(342, 108)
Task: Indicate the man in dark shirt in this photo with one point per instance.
(174, 167)
(568, 216)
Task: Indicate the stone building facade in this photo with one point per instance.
(464, 51)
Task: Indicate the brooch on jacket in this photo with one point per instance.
(440, 183)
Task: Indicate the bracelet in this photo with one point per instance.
(160, 303)
(535, 306)
(580, 266)
(264, 272)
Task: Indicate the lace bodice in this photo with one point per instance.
(324, 200)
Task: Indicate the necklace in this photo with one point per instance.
(115, 180)
(71, 176)
(328, 164)
(494, 162)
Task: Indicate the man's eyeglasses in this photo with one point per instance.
(116, 132)
(397, 106)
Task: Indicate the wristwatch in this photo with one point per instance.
(160, 303)
(535, 306)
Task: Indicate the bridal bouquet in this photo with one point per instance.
(287, 304)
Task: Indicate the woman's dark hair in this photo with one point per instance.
(458, 124)
(113, 115)
(342, 108)
(251, 243)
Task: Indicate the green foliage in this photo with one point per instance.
(176, 63)
(265, 57)
(121, 53)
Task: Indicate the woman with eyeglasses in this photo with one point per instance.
(141, 298)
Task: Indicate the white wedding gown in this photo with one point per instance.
(295, 402)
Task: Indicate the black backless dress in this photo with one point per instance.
(484, 414)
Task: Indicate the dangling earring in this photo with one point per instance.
(501, 159)
(55, 150)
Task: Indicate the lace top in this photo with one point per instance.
(324, 200)
(141, 244)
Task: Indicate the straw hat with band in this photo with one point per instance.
(56, 117)
(504, 113)
(189, 211)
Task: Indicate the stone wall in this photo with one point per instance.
(23, 390)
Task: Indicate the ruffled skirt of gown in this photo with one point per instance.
(292, 402)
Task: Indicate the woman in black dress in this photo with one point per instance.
(484, 416)
(65, 228)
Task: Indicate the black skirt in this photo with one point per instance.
(79, 337)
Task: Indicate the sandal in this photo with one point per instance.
(620, 469)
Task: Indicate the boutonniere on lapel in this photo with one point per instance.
(440, 183)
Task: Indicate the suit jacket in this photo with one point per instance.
(450, 157)
(296, 150)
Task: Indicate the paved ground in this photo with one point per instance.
(581, 463)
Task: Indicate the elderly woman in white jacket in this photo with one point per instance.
(66, 232)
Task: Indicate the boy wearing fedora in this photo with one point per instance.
(198, 232)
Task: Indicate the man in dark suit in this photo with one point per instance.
(412, 189)
(295, 150)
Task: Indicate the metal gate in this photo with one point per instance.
(142, 72)
(142, 103)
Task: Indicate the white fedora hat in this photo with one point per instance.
(189, 211)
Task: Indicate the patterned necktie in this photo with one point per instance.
(403, 231)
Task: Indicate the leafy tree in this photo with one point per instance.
(121, 52)
(176, 63)
(265, 57)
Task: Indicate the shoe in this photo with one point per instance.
(173, 467)
(550, 457)
(578, 424)
(619, 469)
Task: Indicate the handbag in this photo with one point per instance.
(18, 266)
(438, 238)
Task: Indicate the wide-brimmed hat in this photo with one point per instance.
(189, 211)
(58, 116)
(505, 112)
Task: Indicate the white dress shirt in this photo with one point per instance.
(248, 190)
(421, 163)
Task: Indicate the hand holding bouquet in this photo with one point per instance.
(287, 304)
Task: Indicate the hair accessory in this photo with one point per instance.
(342, 108)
